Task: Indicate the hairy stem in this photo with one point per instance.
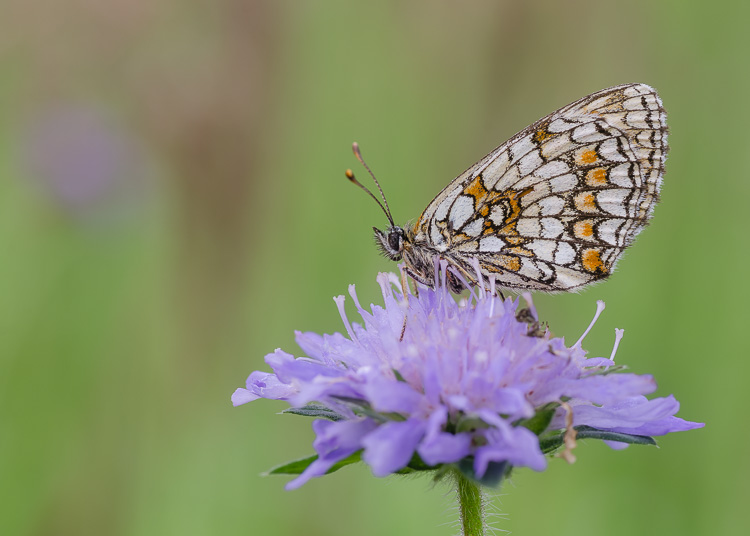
(470, 505)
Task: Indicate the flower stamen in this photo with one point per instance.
(599, 308)
(619, 333)
(340, 300)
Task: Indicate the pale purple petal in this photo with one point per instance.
(388, 396)
(317, 468)
(265, 385)
(243, 396)
(661, 427)
(288, 369)
(391, 446)
(519, 447)
(312, 344)
(331, 436)
(597, 389)
(334, 441)
(444, 448)
(598, 362)
(634, 415)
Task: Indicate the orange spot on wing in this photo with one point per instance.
(585, 202)
(587, 156)
(596, 177)
(542, 134)
(592, 261)
(512, 264)
(517, 250)
(509, 230)
(476, 189)
(584, 229)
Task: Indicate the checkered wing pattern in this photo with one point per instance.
(555, 206)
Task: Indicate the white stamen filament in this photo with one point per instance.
(340, 304)
(480, 278)
(619, 333)
(599, 309)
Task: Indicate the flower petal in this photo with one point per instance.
(636, 415)
(334, 441)
(518, 446)
(242, 396)
(391, 446)
(266, 385)
(390, 396)
(444, 448)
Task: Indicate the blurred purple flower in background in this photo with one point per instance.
(427, 381)
(81, 158)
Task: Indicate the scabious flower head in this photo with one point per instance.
(426, 380)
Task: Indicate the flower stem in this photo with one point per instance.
(470, 505)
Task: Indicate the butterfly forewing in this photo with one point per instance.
(555, 206)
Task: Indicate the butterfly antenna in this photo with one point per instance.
(350, 175)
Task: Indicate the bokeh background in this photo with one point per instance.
(173, 206)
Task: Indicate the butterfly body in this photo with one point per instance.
(418, 255)
(554, 207)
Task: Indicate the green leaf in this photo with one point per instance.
(586, 432)
(551, 442)
(296, 467)
(316, 411)
(361, 407)
(541, 419)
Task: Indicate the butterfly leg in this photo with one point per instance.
(419, 279)
(405, 291)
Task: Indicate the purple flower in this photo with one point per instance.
(441, 381)
(84, 161)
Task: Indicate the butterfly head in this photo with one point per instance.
(391, 242)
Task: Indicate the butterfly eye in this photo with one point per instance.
(395, 239)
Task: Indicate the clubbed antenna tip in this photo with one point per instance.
(350, 175)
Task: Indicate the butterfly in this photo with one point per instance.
(551, 209)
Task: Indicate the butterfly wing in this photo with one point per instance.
(554, 207)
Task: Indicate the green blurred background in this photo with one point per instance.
(173, 206)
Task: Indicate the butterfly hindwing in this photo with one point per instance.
(554, 207)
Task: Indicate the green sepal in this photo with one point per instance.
(398, 375)
(362, 407)
(587, 432)
(494, 475)
(469, 423)
(550, 442)
(316, 411)
(603, 371)
(541, 419)
(416, 465)
(296, 467)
